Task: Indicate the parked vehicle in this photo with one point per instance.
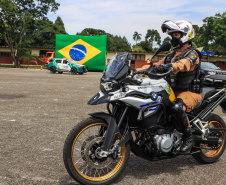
(208, 68)
(49, 55)
(96, 150)
(64, 65)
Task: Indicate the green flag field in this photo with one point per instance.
(85, 50)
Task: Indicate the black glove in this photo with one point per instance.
(151, 69)
(163, 68)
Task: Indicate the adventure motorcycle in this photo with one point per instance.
(139, 120)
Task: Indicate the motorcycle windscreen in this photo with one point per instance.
(115, 65)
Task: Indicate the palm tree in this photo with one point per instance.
(136, 36)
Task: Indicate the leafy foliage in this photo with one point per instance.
(136, 36)
(114, 43)
(166, 39)
(15, 18)
(23, 24)
(145, 46)
(152, 36)
(217, 30)
(43, 33)
(212, 34)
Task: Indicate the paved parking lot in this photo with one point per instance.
(37, 111)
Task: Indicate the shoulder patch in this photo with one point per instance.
(192, 56)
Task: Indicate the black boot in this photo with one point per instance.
(187, 141)
(182, 120)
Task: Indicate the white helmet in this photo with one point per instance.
(183, 27)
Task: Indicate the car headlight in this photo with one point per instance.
(79, 66)
(211, 73)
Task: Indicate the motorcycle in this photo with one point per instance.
(139, 120)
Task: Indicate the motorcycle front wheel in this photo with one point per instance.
(211, 153)
(81, 157)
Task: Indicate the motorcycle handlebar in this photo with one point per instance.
(154, 75)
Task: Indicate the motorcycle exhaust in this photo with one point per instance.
(210, 140)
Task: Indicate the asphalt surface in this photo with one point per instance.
(37, 111)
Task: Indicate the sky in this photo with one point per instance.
(124, 17)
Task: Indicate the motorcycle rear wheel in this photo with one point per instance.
(81, 159)
(210, 154)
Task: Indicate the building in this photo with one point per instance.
(139, 58)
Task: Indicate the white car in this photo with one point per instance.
(64, 65)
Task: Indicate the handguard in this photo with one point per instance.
(154, 75)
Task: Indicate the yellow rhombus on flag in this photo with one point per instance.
(91, 51)
(87, 50)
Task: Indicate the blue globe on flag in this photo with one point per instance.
(78, 52)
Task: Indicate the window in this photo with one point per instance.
(51, 60)
(43, 52)
(138, 57)
(161, 57)
(65, 62)
(58, 61)
(158, 58)
(49, 55)
(208, 65)
(5, 54)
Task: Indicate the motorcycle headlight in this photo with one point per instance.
(211, 73)
(107, 86)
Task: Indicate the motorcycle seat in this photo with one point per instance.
(206, 93)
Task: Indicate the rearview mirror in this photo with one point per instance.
(164, 47)
(129, 56)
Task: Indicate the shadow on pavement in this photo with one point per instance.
(67, 180)
(139, 168)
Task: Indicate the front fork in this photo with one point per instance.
(112, 132)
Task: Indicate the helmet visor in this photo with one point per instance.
(170, 27)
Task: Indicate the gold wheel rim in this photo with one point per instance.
(213, 152)
(108, 175)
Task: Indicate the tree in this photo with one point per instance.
(27, 56)
(151, 37)
(138, 48)
(114, 43)
(198, 39)
(145, 45)
(136, 36)
(92, 32)
(207, 36)
(218, 39)
(16, 16)
(60, 29)
(2, 41)
(40, 34)
(166, 39)
(43, 33)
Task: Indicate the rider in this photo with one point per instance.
(185, 62)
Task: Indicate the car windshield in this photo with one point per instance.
(115, 65)
(208, 65)
(72, 61)
(48, 54)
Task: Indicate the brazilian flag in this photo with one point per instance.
(86, 50)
